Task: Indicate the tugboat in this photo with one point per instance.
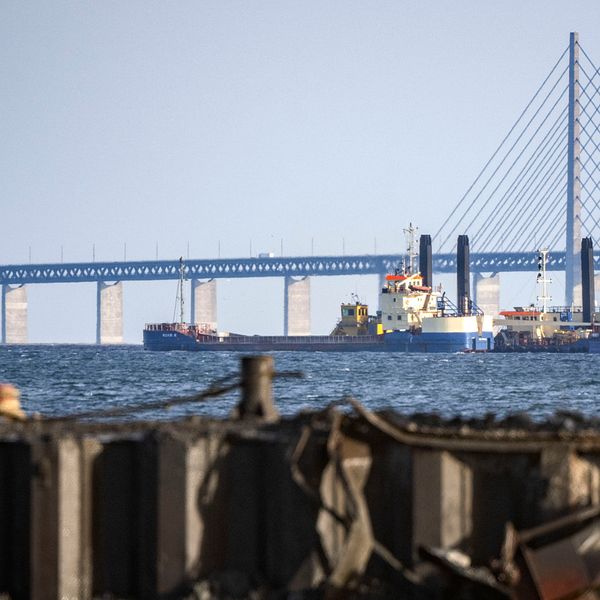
(413, 318)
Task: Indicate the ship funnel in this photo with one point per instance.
(463, 275)
(587, 279)
(425, 260)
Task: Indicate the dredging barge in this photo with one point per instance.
(562, 329)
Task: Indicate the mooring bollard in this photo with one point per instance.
(257, 388)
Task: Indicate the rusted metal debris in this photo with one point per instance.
(559, 560)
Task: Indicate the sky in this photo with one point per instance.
(248, 126)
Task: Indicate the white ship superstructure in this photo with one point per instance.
(404, 302)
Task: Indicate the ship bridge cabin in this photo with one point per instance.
(354, 321)
(405, 302)
(539, 324)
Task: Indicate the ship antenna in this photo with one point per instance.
(542, 278)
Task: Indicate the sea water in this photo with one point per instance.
(58, 380)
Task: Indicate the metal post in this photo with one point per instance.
(257, 391)
(463, 275)
(587, 279)
(425, 260)
(573, 241)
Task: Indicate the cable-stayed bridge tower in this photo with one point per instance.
(573, 232)
(541, 186)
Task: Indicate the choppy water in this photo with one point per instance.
(62, 379)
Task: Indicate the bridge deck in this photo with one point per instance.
(230, 268)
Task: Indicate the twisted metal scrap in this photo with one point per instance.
(346, 541)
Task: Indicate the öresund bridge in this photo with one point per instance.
(540, 188)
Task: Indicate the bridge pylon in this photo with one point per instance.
(573, 231)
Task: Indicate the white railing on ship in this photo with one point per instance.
(168, 327)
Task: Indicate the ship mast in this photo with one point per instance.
(543, 279)
(179, 300)
(411, 247)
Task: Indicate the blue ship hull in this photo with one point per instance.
(468, 341)
(397, 341)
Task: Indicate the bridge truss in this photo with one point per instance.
(232, 268)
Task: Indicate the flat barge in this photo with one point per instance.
(176, 336)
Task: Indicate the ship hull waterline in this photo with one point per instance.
(397, 341)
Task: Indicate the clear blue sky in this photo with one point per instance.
(146, 122)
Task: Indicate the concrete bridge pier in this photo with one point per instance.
(296, 309)
(487, 293)
(14, 314)
(109, 320)
(203, 306)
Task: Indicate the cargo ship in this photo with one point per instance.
(413, 317)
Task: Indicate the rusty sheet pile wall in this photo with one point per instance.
(325, 500)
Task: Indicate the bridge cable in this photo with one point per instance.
(590, 81)
(590, 196)
(589, 173)
(544, 208)
(560, 219)
(515, 161)
(594, 106)
(509, 169)
(503, 142)
(508, 154)
(591, 140)
(524, 174)
(546, 202)
(584, 225)
(560, 232)
(589, 177)
(555, 226)
(587, 114)
(590, 137)
(504, 206)
(588, 58)
(590, 158)
(595, 186)
(505, 225)
(591, 120)
(539, 201)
